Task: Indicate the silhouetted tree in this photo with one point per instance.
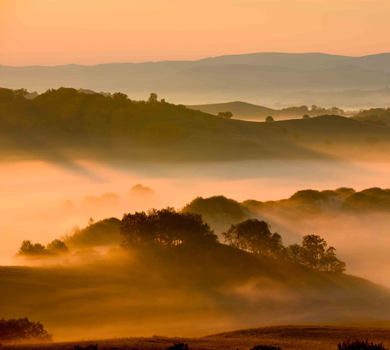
(360, 345)
(294, 253)
(29, 249)
(120, 97)
(153, 98)
(331, 263)
(269, 119)
(306, 116)
(22, 330)
(101, 233)
(57, 247)
(165, 227)
(315, 254)
(254, 236)
(313, 250)
(227, 115)
(265, 347)
(179, 346)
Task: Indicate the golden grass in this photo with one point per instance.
(286, 337)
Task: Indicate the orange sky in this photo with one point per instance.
(51, 32)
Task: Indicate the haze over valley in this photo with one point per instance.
(181, 176)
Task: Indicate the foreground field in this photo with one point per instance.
(286, 337)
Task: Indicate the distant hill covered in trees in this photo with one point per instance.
(248, 111)
(64, 124)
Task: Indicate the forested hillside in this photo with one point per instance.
(65, 123)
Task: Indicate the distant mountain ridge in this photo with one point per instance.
(233, 75)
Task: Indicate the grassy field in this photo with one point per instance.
(286, 337)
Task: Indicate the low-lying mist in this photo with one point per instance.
(41, 202)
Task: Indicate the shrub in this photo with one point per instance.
(265, 347)
(90, 347)
(359, 345)
(179, 346)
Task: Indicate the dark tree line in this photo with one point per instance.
(255, 236)
(165, 227)
(67, 110)
(56, 247)
(168, 228)
(22, 330)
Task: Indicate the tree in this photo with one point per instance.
(294, 253)
(57, 247)
(29, 249)
(331, 263)
(254, 236)
(313, 250)
(316, 255)
(152, 98)
(120, 97)
(100, 233)
(22, 330)
(227, 115)
(269, 119)
(359, 345)
(165, 227)
(306, 116)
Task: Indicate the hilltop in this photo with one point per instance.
(251, 112)
(240, 110)
(62, 124)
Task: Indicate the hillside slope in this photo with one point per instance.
(240, 110)
(214, 290)
(62, 124)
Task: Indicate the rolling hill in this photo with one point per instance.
(184, 292)
(251, 112)
(63, 124)
(240, 110)
(285, 337)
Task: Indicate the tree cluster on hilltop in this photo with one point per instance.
(66, 110)
(165, 227)
(313, 202)
(168, 228)
(56, 247)
(255, 236)
(375, 116)
(101, 233)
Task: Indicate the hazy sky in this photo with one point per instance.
(51, 32)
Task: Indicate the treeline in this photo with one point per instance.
(314, 111)
(312, 202)
(300, 206)
(95, 234)
(255, 237)
(67, 110)
(22, 330)
(168, 228)
(376, 116)
(56, 247)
